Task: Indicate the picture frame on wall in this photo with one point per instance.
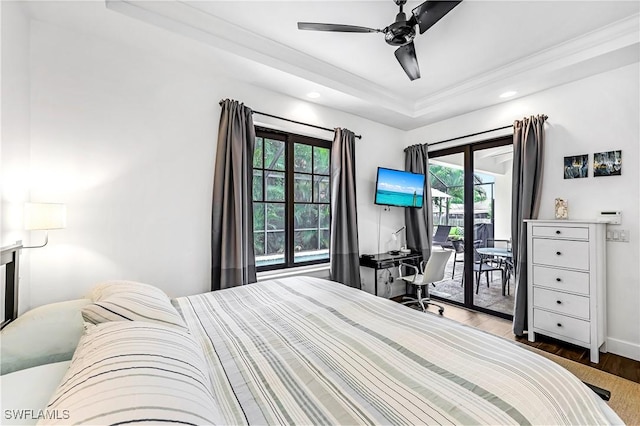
(607, 163)
(576, 166)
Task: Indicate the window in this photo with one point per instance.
(291, 200)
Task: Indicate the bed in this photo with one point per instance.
(26, 392)
(9, 258)
(304, 350)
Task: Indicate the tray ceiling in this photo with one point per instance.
(476, 52)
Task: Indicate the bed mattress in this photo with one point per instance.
(304, 350)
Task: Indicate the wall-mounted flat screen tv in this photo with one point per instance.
(399, 188)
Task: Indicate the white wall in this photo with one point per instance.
(14, 148)
(502, 227)
(127, 140)
(596, 114)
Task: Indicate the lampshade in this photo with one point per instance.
(40, 216)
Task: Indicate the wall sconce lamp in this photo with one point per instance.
(38, 216)
(44, 217)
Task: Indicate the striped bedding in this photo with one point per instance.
(134, 372)
(303, 350)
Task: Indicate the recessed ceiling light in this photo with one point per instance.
(313, 95)
(508, 94)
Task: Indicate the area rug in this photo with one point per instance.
(625, 394)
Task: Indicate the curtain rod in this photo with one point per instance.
(471, 134)
(478, 133)
(294, 121)
(298, 122)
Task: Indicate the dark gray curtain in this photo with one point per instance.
(419, 222)
(233, 259)
(345, 264)
(528, 147)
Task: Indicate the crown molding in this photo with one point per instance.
(606, 48)
(185, 19)
(616, 36)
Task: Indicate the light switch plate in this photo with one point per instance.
(618, 235)
(624, 235)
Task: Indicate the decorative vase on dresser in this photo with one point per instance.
(567, 282)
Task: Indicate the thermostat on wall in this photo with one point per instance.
(612, 217)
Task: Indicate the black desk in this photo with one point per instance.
(386, 260)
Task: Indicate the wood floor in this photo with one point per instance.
(614, 364)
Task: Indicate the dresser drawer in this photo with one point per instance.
(561, 253)
(561, 279)
(561, 325)
(576, 233)
(562, 303)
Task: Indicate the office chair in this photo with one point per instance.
(429, 273)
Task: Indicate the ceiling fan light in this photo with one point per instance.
(400, 35)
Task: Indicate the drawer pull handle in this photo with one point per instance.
(558, 253)
(559, 302)
(559, 325)
(558, 232)
(558, 279)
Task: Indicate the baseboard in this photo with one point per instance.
(623, 348)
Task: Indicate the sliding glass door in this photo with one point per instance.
(471, 191)
(446, 175)
(492, 168)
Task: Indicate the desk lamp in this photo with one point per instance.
(394, 238)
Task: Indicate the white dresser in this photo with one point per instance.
(566, 282)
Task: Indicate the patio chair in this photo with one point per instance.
(482, 265)
(501, 243)
(441, 236)
(458, 251)
(508, 272)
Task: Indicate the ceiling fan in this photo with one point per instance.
(401, 33)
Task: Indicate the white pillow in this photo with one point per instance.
(26, 392)
(108, 288)
(133, 372)
(46, 334)
(131, 301)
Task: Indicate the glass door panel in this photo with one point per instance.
(446, 174)
(493, 281)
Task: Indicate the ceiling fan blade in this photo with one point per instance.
(314, 26)
(430, 12)
(406, 55)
